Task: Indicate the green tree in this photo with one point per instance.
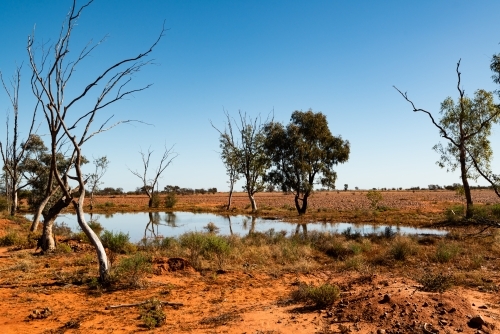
(303, 154)
(482, 169)
(466, 125)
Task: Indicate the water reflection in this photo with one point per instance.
(157, 225)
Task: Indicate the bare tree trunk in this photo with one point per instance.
(13, 204)
(301, 209)
(104, 265)
(48, 243)
(469, 212)
(39, 211)
(252, 202)
(230, 198)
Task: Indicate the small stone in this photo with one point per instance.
(443, 322)
(425, 304)
(452, 310)
(380, 331)
(484, 307)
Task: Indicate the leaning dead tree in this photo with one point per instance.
(62, 109)
(149, 183)
(13, 151)
(466, 126)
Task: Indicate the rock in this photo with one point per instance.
(476, 321)
(484, 307)
(452, 310)
(380, 331)
(386, 299)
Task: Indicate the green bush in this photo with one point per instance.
(436, 282)
(170, 200)
(495, 210)
(63, 248)
(12, 238)
(220, 248)
(155, 200)
(321, 296)
(454, 213)
(401, 249)
(117, 243)
(3, 203)
(152, 314)
(446, 252)
(374, 197)
(132, 269)
(195, 243)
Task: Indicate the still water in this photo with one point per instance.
(157, 224)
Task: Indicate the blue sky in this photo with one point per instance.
(338, 57)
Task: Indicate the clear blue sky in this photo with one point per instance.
(338, 57)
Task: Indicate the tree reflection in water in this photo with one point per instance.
(304, 229)
(253, 219)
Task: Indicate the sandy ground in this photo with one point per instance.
(34, 298)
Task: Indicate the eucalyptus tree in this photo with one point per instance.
(481, 168)
(303, 154)
(68, 105)
(245, 157)
(466, 125)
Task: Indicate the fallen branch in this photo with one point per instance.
(141, 303)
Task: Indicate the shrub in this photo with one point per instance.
(219, 247)
(495, 210)
(133, 269)
(195, 242)
(12, 238)
(454, 213)
(401, 249)
(170, 200)
(374, 197)
(109, 204)
(63, 248)
(155, 200)
(321, 296)
(432, 282)
(446, 252)
(117, 243)
(152, 314)
(3, 203)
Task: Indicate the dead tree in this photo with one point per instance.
(149, 184)
(14, 152)
(230, 156)
(467, 127)
(50, 82)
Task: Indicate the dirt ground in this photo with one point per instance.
(33, 299)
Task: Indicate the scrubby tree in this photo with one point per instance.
(229, 155)
(466, 125)
(94, 179)
(247, 154)
(303, 154)
(149, 183)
